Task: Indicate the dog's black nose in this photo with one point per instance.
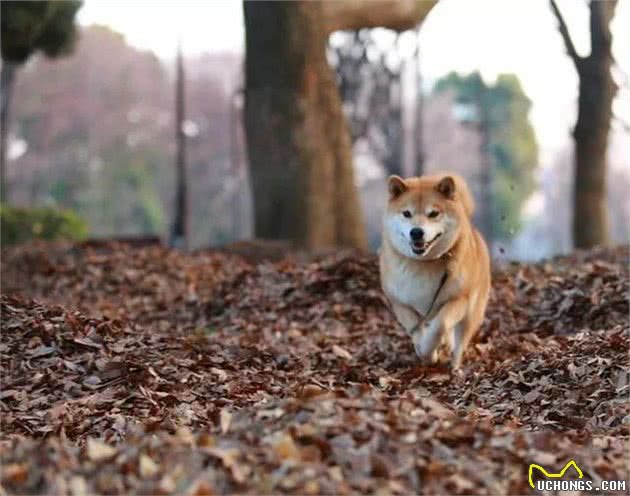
(416, 234)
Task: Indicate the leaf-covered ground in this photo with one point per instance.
(145, 370)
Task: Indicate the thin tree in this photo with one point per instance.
(28, 27)
(597, 90)
(419, 129)
(179, 232)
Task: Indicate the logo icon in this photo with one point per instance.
(570, 463)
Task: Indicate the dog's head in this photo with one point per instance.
(424, 215)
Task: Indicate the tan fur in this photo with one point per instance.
(411, 280)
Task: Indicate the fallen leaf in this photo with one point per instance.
(341, 352)
(98, 451)
(226, 420)
(286, 449)
(148, 468)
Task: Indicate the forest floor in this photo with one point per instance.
(144, 370)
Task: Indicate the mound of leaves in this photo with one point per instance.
(150, 285)
(587, 290)
(139, 369)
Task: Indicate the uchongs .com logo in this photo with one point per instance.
(552, 481)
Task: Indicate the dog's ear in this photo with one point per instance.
(446, 187)
(396, 186)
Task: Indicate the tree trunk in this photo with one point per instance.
(298, 144)
(179, 233)
(420, 153)
(7, 83)
(597, 90)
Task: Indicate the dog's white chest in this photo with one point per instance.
(410, 288)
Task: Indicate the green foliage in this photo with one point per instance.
(467, 88)
(123, 197)
(18, 225)
(147, 211)
(504, 108)
(47, 26)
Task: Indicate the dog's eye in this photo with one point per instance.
(433, 214)
(406, 213)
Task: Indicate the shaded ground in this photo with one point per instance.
(204, 374)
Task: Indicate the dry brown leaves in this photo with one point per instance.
(202, 374)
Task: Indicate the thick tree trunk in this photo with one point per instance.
(7, 82)
(179, 233)
(590, 216)
(298, 144)
(596, 94)
(597, 91)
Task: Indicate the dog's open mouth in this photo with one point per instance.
(421, 247)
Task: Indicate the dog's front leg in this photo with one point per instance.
(407, 317)
(428, 338)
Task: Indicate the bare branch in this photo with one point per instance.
(566, 37)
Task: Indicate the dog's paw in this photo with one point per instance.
(458, 372)
(426, 356)
(456, 361)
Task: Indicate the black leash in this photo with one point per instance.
(437, 292)
(442, 281)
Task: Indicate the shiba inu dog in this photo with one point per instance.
(435, 267)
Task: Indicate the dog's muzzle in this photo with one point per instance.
(419, 246)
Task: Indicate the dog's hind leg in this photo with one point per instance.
(462, 334)
(466, 329)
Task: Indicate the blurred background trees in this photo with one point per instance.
(508, 153)
(28, 27)
(369, 77)
(95, 133)
(88, 127)
(180, 229)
